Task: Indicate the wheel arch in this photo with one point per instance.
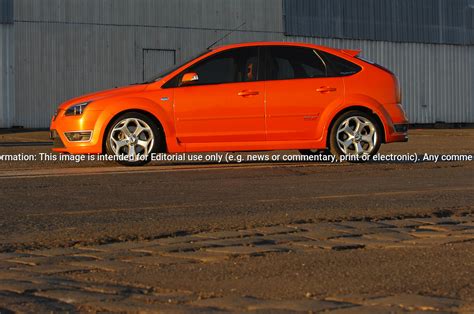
(163, 146)
(361, 108)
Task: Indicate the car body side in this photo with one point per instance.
(371, 89)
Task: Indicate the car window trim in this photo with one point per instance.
(316, 52)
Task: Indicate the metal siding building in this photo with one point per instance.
(7, 59)
(64, 48)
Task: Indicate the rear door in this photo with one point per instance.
(298, 89)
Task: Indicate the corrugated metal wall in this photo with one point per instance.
(7, 100)
(421, 21)
(7, 91)
(65, 48)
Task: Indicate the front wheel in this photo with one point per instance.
(354, 134)
(132, 138)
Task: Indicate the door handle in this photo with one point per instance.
(326, 89)
(245, 93)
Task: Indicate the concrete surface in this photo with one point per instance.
(258, 237)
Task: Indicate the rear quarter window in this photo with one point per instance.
(338, 66)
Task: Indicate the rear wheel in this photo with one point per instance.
(132, 138)
(354, 134)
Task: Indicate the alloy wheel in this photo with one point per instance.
(356, 135)
(132, 137)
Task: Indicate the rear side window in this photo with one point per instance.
(338, 66)
(286, 63)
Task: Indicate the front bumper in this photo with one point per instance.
(57, 142)
(90, 120)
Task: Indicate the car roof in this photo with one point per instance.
(274, 43)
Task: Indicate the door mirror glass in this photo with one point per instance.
(189, 78)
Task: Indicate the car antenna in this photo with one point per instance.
(223, 37)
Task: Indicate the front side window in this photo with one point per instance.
(231, 66)
(285, 63)
(220, 69)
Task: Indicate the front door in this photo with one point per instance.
(226, 103)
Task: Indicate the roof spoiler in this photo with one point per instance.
(352, 53)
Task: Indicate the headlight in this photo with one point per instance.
(55, 114)
(76, 110)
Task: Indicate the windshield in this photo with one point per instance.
(174, 68)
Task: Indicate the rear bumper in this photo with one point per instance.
(396, 129)
(399, 134)
(396, 137)
(401, 128)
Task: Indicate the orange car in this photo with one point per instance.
(243, 97)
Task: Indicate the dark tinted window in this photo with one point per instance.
(338, 66)
(283, 63)
(220, 69)
(236, 65)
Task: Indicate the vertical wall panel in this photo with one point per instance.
(7, 61)
(6, 11)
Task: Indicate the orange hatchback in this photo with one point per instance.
(243, 97)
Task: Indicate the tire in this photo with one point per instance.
(355, 133)
(311, 152)
(135, 146)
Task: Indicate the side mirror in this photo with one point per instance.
(189, 78)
